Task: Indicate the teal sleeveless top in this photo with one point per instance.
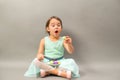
(54, 49)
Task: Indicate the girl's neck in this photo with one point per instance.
(53, 38)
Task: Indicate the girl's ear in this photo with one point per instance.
(47, 29)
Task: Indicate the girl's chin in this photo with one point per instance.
(56, 35)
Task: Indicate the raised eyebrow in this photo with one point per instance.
(52, 24)
(59, 24)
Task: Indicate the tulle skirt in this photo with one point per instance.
(68, 64)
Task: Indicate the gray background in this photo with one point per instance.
(94, 26)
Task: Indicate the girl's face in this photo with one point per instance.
(54, 27)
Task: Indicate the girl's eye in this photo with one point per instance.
(53, 25)
(58, 25)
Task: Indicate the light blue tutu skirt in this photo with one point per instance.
(68, 64)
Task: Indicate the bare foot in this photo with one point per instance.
(43, 73)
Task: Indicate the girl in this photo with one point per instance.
(51, 50)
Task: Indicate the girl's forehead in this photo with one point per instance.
(54, 21)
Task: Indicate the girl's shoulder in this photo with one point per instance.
(43, 39)
(46, 37)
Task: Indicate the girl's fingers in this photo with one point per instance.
(41, 57)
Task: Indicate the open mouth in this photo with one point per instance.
(56, 31)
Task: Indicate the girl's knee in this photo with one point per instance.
(36, 61)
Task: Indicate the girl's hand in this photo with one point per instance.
(68, 44)
(40, 56)
(67, 40)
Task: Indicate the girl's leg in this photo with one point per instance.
(44, 68)
(43, 73)
(43, 65)
(62, 73)
(51, 70)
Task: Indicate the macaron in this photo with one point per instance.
(64, 37)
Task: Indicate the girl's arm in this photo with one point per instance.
(68, 44)
(40, 54)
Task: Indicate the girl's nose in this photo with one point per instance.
(56, 26)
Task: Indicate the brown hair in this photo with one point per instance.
(48, 21)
